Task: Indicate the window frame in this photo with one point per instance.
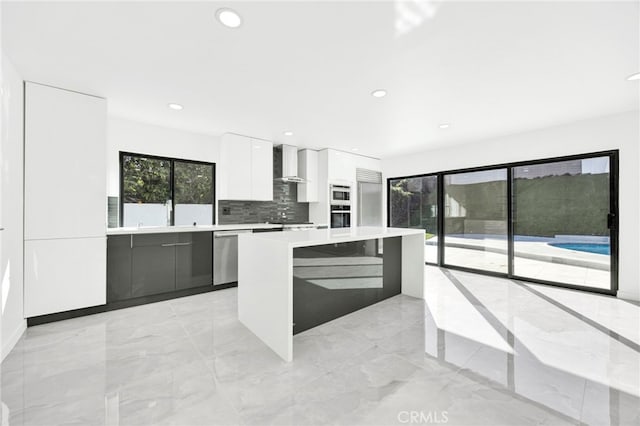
(172, 162)
(614, 230)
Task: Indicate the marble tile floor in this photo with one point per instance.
(479, 350)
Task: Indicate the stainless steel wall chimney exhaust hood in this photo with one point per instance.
(290, 165)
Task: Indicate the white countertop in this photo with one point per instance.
(188, 228)
(316, 237)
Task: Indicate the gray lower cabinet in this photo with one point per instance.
(153, 266)
(148, 264)
(194, 260)
(118, 267)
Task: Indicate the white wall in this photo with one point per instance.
(620, 131)
(11, 210)
(131, 136)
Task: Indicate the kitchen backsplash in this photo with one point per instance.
(283, 208)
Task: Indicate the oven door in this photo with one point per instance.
(340, 219)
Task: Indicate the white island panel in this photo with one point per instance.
(413, 265)
(266, 292)
(265, 275)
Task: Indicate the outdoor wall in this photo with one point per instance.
(11, 210)
(583, 196)
(621, 131)
(141, 138)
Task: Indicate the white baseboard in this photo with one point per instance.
(9, 343)
(628, 295)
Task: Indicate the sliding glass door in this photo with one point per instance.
(413, 203)
(475, 220)
(560, 220)
(549, 221)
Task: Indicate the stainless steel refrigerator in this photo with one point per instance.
(369, 204)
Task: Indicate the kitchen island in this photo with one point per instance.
(289, 282)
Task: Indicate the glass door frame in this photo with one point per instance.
(439, 204)
(612, 219)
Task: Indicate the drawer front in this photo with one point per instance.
(145, 240)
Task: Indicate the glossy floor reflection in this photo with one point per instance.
(479, 350)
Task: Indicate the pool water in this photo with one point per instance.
(586, 247)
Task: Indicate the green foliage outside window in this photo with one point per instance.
(193, 183)
(146, 180)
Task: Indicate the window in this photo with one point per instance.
(552, 221)
(475, 220)
(413, 203)
(560, 212)
(158, 191)
(193, 185)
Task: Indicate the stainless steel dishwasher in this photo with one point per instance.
(225, 256)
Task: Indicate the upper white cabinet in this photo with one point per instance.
(235, 168)
(245, 169)
(342, 167)
(308, 170)
(65, 177)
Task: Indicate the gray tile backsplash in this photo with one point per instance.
(283, 208)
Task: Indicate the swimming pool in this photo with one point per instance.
(598, 248)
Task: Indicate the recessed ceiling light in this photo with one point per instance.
(635, 76)
(354, 149)
(229, 18)
(176, 107)
(288, 133)
(379, 93)
(444, 126)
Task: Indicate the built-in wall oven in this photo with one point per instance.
(340, 206)
(340, 216)
(340, 195)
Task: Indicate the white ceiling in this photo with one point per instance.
(488, 68)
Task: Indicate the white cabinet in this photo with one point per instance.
(342, 167)
(308, 170)
(64, 274)
(65, 175)
(261, 170)
(65, 200)
(245, 169)
(235, 168)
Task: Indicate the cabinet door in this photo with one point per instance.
(118, 267)
(308, 168)
(65, 142)
(235, 168)
(61, 275)
(153, 264)
(342, 167)
(194, 260)
(261, 170)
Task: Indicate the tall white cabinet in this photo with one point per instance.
(65, 200)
